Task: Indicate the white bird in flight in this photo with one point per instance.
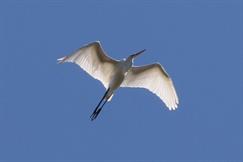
(121, 73)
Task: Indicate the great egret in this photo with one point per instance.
(114, 74)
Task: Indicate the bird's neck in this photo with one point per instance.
(126, 64)
(129, 62)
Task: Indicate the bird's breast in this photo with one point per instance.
(116, 80)
(124, 66)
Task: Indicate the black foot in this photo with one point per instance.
(95, 114)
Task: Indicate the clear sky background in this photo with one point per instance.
(45, 107)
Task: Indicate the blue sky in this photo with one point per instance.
(45, 107)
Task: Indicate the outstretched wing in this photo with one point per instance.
(94, 61)
(154, 78)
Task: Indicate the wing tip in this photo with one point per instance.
(173, 107)
(61, 60)
(95, 42)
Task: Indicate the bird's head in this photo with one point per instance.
(133, 56)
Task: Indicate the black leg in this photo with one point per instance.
(98, 111)
(94, 114)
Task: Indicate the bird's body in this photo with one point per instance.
(114, 74)
(120, 71)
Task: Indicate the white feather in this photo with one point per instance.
(94, 61)
(154, 78)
